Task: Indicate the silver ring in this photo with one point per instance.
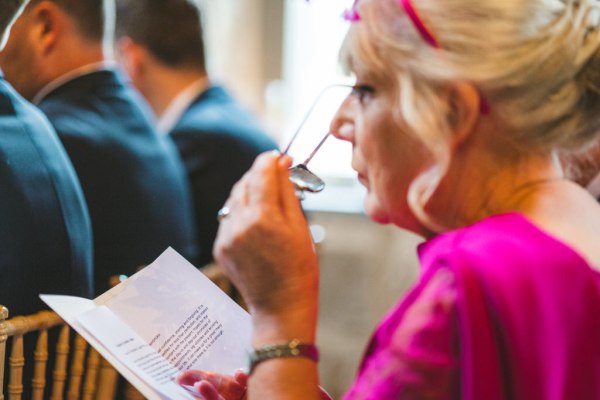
(223, 213)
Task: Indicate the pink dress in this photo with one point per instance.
(502, 311)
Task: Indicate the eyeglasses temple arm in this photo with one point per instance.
(316, 149)
(310, 110)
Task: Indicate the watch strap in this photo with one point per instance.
(291, 349)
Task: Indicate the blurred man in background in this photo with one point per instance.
(132, 179)
(161, 47)
(45, 233)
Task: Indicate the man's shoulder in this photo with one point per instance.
(23, 119)
(217, 116)
(217, 107)
(13, 106)
(31, 150)
(97, 110)
(99, 93)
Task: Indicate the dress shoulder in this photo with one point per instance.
(413, 353)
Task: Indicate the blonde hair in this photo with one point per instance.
(536, 62)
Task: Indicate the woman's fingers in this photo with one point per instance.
(323, 395)
(265, 237)
(208, 391)
(188, 378)
(289, 200)
(263, 185)
(241, 377)
(214, 386)
(238, 198)
(264, 189)
(269, 186)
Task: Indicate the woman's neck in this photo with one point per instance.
(466, 195)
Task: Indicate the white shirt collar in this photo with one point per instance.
(174, 111)
(69, 76)
(594, 187)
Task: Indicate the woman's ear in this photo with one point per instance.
(465, 107)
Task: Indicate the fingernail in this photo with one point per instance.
(285, 161)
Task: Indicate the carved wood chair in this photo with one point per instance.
(87, 375)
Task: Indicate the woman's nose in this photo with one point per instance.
(342, 124)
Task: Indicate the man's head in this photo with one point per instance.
(52, 37)
(89, 16)
(9, 9)
(170, 30)
(161, 47)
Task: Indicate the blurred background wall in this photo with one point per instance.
(276, 55)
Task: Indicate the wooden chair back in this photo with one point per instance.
(86, 373)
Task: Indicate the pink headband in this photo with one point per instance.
(353, 16)
(432, 41)
(418, 23)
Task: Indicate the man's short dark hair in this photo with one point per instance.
(8, 9)
(89, 15)
(171, 30)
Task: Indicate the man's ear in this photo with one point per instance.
(47, 24)
(465, 108)
(132, 57)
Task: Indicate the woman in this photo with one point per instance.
(458, 115)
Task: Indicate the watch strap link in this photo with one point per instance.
(291, 349)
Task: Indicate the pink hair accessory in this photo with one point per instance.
(418, 23)
(352, 14)
(432, 41)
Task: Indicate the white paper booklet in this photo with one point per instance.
(165, 319)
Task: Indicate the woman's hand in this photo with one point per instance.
(213, 386)
(266, 249)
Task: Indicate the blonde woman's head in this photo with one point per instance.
(535, 63)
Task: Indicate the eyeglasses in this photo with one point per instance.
(304, 179)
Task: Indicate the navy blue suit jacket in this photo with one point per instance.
(133, 180)
(45, 233)
(218, 141)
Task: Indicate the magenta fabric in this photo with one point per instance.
(502, 311)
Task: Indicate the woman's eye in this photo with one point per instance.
(362, 92)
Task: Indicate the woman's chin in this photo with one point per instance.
(374, 211)
(402, 218)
